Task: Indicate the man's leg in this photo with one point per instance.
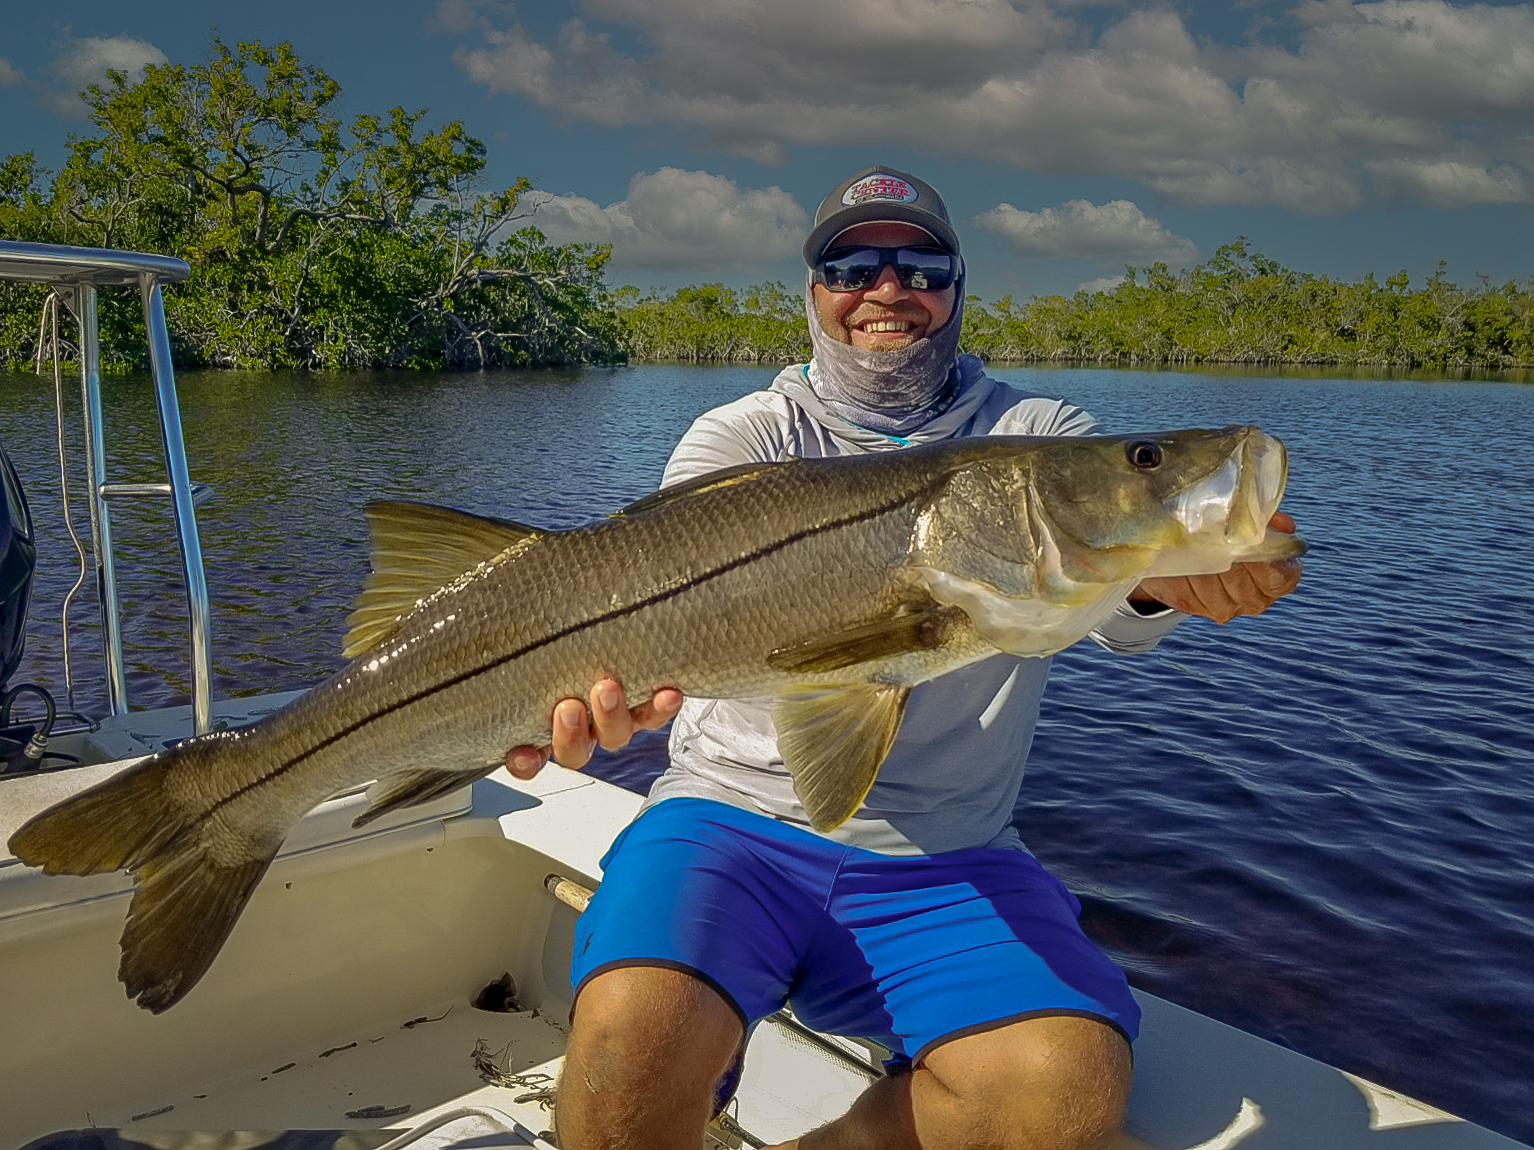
(646, 1046)
(1051, 1083)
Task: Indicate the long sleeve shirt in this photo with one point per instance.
(953, 774)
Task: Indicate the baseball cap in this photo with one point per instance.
(879, 194)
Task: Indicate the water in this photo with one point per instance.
(1311, 825)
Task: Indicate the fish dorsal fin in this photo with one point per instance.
(882, 639)
(833, 743)
(724, 477)
(419, 548)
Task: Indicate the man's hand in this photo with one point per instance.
(609, 722)
(1246, 589)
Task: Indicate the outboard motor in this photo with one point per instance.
(21, 747)
(18, 560)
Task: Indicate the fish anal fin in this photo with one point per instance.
(881, 639)
(419, 548)
(408, 788)
(833, 743)
(724, 477)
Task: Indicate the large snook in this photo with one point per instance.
(831, 586)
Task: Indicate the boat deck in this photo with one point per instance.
(340, 1011)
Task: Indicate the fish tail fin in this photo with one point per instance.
(115, 824)
(186, 901)
(182, 913)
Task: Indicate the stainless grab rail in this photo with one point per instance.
(181, 501)
(74, 274)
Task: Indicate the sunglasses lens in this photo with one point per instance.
(924, 270)
(854, 269)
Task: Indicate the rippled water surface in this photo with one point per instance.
(1315, 825)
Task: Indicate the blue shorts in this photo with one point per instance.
(910, 952)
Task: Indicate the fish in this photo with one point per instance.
(832, 587)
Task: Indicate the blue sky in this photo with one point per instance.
(1068, 138)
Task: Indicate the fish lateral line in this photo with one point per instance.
(576, 628)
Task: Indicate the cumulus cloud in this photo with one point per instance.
(1115, 232)
(674, 220)
(10, 75)
(1402, 101)
(1105, 283)
(81, 63)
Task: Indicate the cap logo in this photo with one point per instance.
(877, 187)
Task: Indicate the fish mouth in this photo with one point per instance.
(1235, 502)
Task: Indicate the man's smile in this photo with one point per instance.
(873, 326)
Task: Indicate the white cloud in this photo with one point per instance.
(1399, 101)
(673, 220)
(1115, 232)
(10, 75)
(1106, 283)
(81, 63)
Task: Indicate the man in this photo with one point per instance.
(921, 923)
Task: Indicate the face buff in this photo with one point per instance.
(887, 391)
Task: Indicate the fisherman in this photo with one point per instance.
(922, 923)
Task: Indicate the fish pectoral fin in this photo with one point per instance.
(920, 630)
(408, 788)
(833, 743)
(711, 481)
(419, 548)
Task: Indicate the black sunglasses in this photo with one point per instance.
(918, 268)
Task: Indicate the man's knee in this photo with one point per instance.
(653, 1024)
(1056, 1081)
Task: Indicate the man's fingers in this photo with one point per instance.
(1282, 521)
(659, 711)
(525, 762)
(610, 717)
(608, 723)
(1246, 589)
(573, 740)
(1282, 577)
(1213, 597)
(571, 747)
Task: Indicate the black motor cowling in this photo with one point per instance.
(18, 560)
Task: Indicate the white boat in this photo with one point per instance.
(342, 1013)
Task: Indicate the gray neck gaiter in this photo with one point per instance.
(887, 391)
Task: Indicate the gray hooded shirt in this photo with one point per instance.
(952, 777)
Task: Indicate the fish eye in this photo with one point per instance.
(1144, 454)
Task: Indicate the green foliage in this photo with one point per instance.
(713, 323)
(23, 215)
(1241, 307)
(1238, 307)
(313, 243)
